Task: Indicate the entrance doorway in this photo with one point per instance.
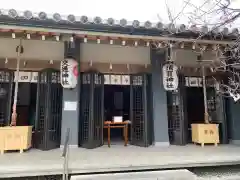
(186, 106)
(195, 107)
(26, 104)
(100, 102)
(116, 104)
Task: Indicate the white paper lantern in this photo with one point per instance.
(170, 77)
(69, 73)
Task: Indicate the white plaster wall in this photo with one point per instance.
(189, 57)
(101, 53)
(135, 55)
(114, 54)
(33, 49)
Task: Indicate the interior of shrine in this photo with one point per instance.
(195, 107)
(116, 104)
(26, 106)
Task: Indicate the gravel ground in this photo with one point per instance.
(218, 173)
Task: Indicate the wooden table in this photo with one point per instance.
(124, 125)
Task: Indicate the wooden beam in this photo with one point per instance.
(115, 35)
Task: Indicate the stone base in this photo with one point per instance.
(161, 175)
(235, 142)
(161, 144)
(70, 146)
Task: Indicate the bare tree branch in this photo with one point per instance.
(215, 14)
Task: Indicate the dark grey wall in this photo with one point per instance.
(70, 118)
(160, 118)
(234, 121)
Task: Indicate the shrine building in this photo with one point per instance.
(79, 72)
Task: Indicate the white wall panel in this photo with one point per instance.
(189, 57)
(101, 53)
(114, 54)
(33, 49)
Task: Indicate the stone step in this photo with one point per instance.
(182, 174)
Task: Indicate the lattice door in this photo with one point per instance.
(48, 110)
(91, 110)
(6, 84)
(140, 110)
(177, 121)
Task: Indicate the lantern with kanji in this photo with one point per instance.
(170, 77)
(69, 73)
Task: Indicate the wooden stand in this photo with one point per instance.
(15, 138)
(205, 134)
(124, 125)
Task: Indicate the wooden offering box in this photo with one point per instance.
(15, 138)
(205, 134)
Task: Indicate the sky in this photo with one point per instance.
(152, 10)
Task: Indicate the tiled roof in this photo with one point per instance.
(110, 22)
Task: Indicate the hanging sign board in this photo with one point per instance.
(170, 77)
(125, 80)
(115, 79)
(107, 79)
(34, 77)
(23, 76)
(69, 73)
(193, 81)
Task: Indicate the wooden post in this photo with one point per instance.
(206, 115)
(19, 50)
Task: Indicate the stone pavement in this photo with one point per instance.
(158, 175)
(116, 158)
(220, 178)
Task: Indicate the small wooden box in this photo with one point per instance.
(15, 138)
(205, 134)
